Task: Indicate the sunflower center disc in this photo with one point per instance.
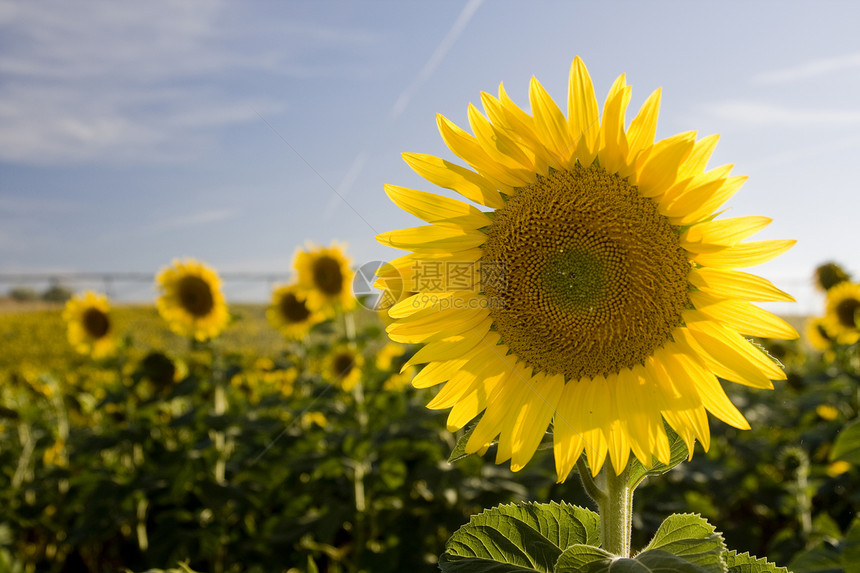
(96, 323)
(343, 364)
(846, 312)
(328, 276)
(196, 296)
(595, 278)
(293, 309)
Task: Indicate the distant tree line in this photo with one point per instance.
(56, 292)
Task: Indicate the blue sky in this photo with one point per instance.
(134, 133)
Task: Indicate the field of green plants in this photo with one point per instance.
(251, 453)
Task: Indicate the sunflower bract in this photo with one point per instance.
(595, 293)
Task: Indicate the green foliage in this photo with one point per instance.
(691, 538)
(106, 466)
(678, 452)
(109, 466)
(847, 445)
(560, 538)
(746, 563)
(57, 293)
(23, 294)
(528, 537)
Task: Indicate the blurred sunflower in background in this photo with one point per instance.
(291, 313)
(830, 274)
(88, 324)
(599, 294)
(816, 334)
(342, 367)
(392, 357)
(190, 300)
(326, 273)
(842, 312)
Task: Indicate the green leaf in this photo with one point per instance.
(820, 559)
(677, 453)
(528, 536)
(459, 451)
(588, 559)
(847, 445)
(562, 524)
(693, 539)
(851, 546)
(458, 564)
(746, 563)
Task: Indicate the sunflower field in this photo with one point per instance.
(321, 457)
(590, 332)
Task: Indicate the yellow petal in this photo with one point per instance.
(437, 372)
(464, 181)
(436, 325)
(476, 398)
(550, 123)
(417, 303)
(703, 196)
(725, 283)
(696, 162)
(429, 238)
(519, 126)
(637, 407)
(729, 355)
(496, 143)
(467, 148)
(533, 420)
(724, 232)
(613, 141)
(616, 435)
(432, 208)
(643, 128)
(431, 273)
(463, 381)
(583, 121)
(714, 397)
(567, 441)
(499, 403)
(745, 254)
(659, 169)
(451, 347)
(743, 316)
(593, 419)
(692, 417)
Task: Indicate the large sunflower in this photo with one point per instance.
(325, 272)
(605, 298)
(843, 312)
(291, 313)
(191, 301)
(89, 326)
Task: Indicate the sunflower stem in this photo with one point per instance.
(361, 466)
(616, 511)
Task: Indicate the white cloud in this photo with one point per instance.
(810, 69)
(755, 113)
(141, 81)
